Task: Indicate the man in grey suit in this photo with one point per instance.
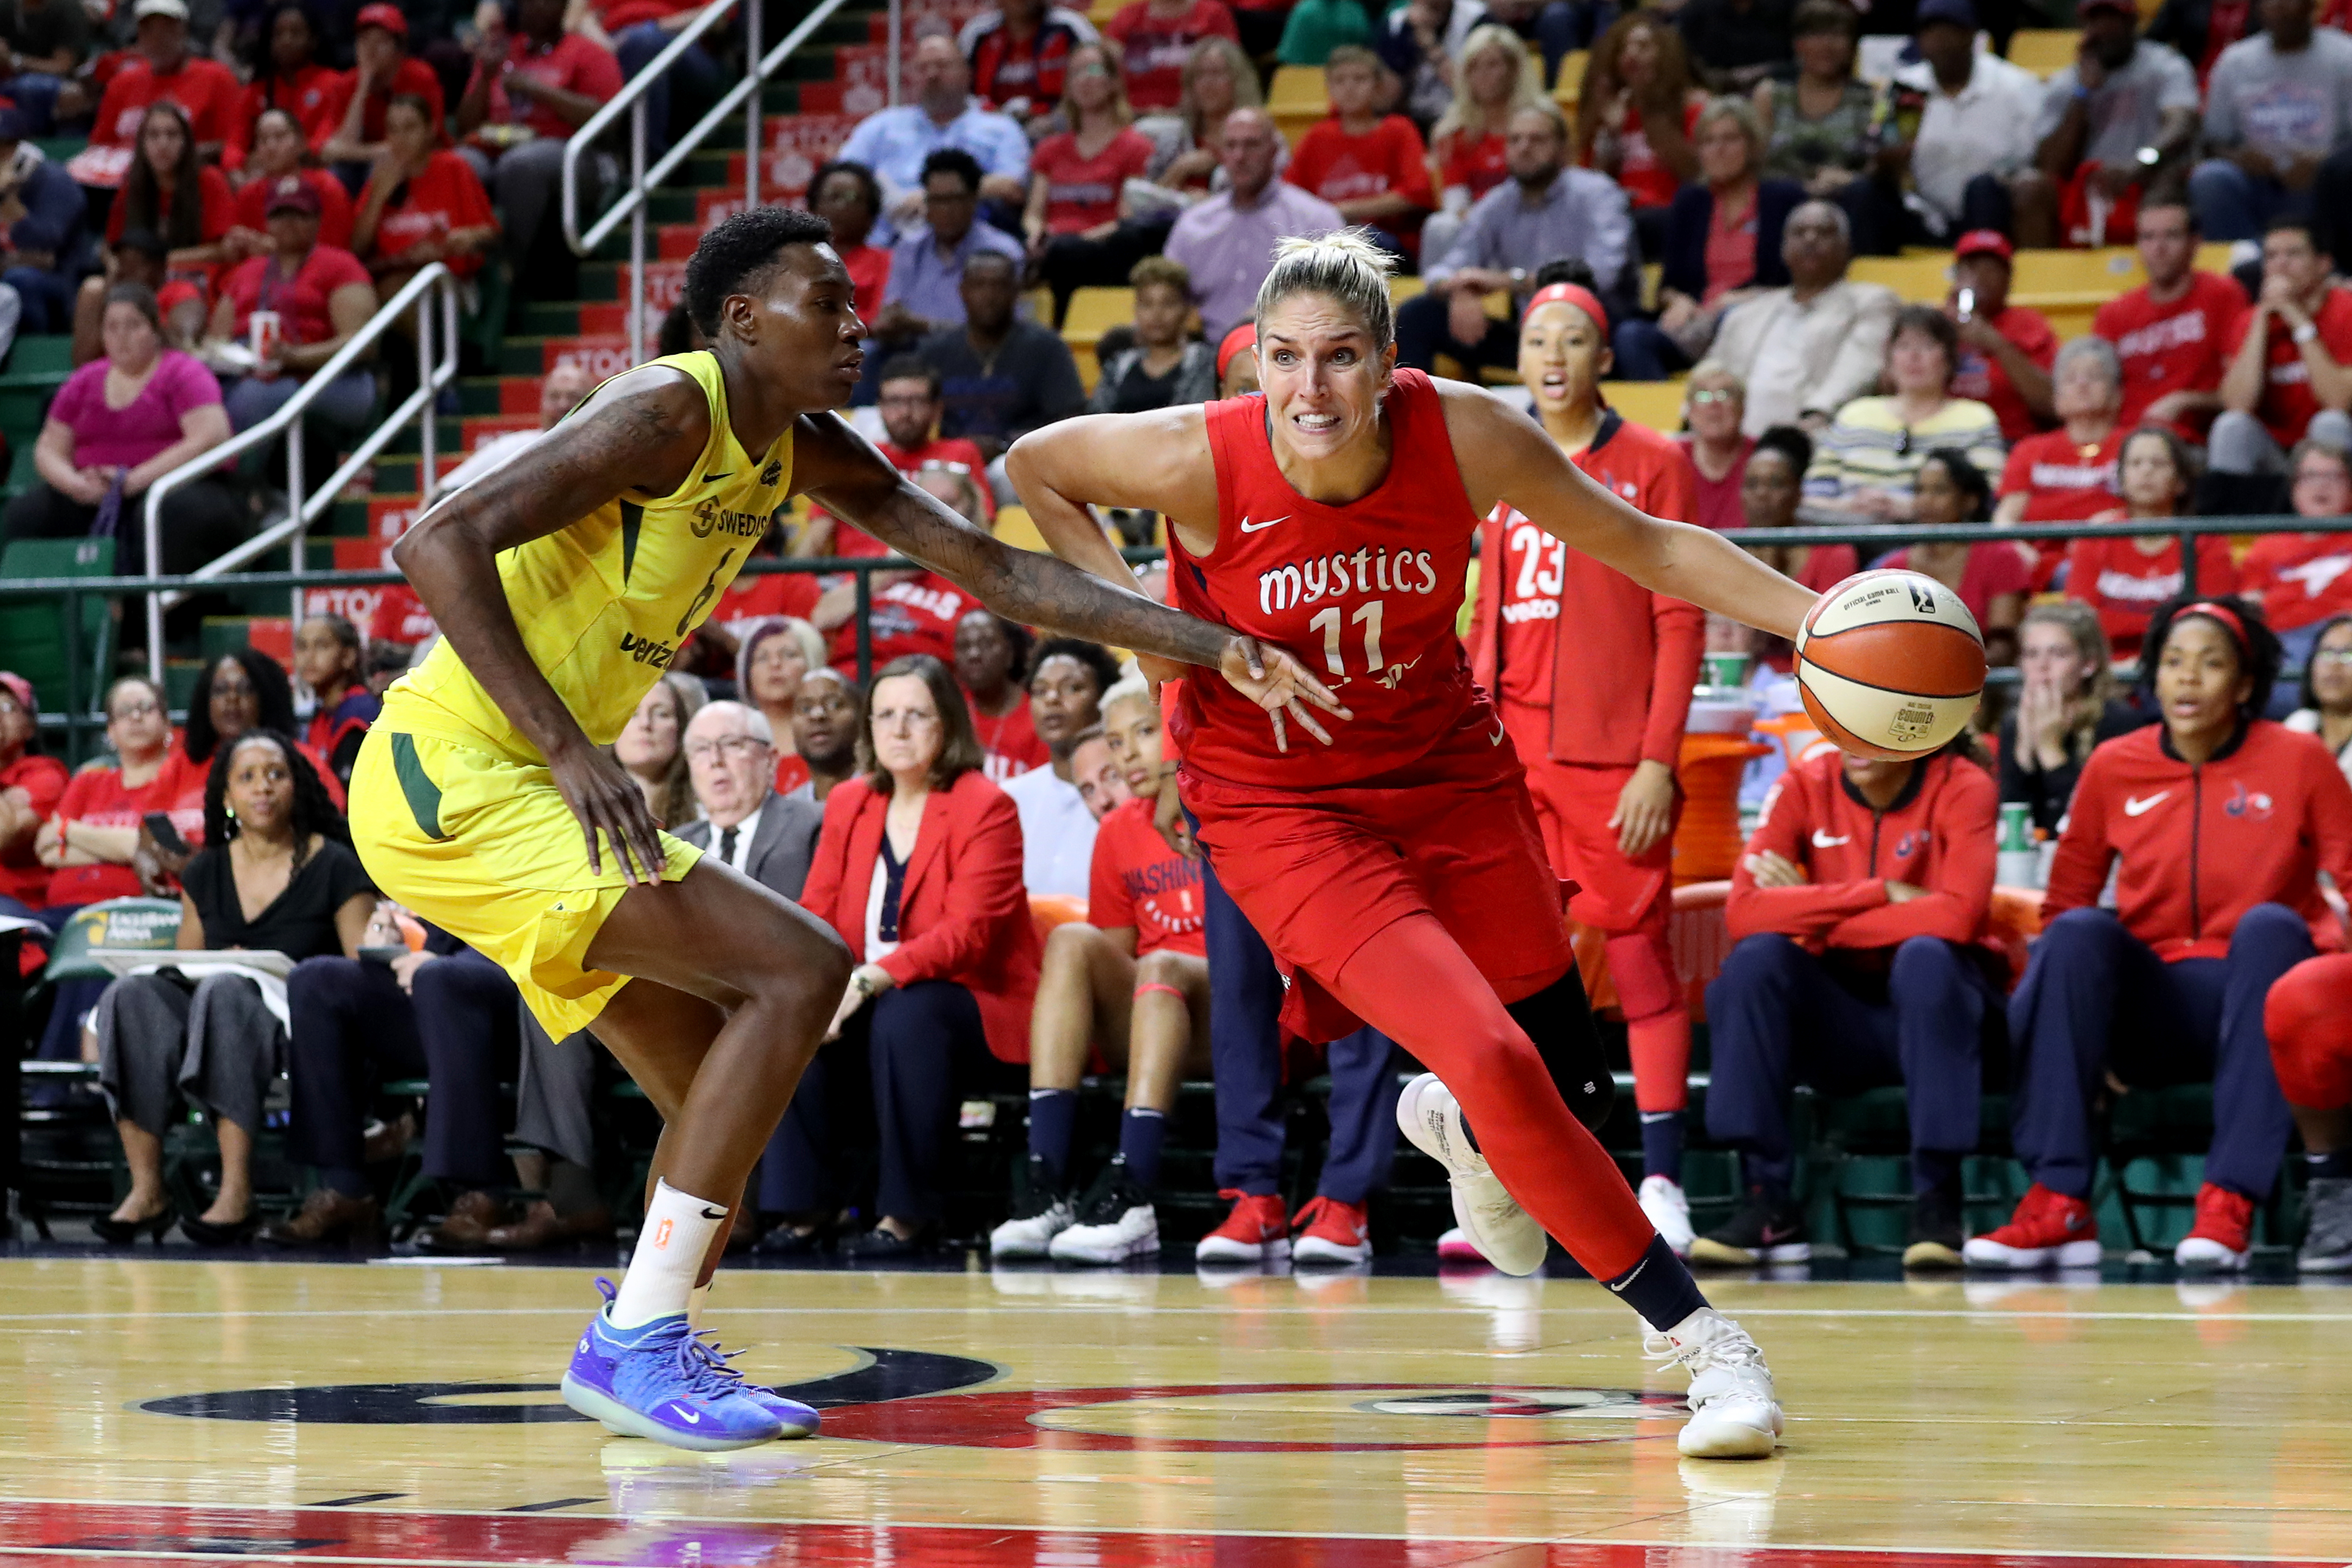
(771, 839)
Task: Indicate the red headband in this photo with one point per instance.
(1241, 337)
(2229, 618)
(1574, 294)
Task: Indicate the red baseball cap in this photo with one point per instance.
(388, 17)
(1983, 242)
(291, 193)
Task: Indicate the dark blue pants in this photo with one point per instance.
(1246, 1058)
(1779, 1016)
(2095, 998)
(922, 1048)
(351, 1026)
(1423, 332)
(1644, 351)
(693, 71)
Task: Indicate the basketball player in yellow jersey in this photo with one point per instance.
(563, 584)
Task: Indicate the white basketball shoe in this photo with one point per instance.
(1733, 1415)
(1506, 1235)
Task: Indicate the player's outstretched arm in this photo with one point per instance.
(641, 432)
(1505, 455)
(849, 478)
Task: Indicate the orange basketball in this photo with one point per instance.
(1890, 665)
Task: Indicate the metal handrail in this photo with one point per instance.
(631, 100)
(300, 508)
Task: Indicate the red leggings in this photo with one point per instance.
(1413, 984)
(2309, 1017)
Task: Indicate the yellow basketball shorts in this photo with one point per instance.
(485, 848)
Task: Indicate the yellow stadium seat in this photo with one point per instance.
(2102, 272)
(1403, 288)
(1568, 86)
(2215, 257)
(1014, 527)
(1093, 312)
(1299, 87)
(2044, 51)
(1924, 278)
(1102, 11)
(1656, 403)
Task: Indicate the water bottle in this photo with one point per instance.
(2017, 863)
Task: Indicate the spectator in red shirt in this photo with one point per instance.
(1770, 493)
(1131, 980)
(1636, 114)
(544, 81)
(1156, 36)
(1495, 78)
(2123, 580)
(1076, 222)
(31, 786)
(2172, 333)
(634, 32)
(330, 658)
(422, 204)
(910, 405)
(1218, 80)
(2006, 350)
(91, 843)
(1715, 400)
(1372, 166)
(991, 665)
(165, 71)
(1020, 52)
(289, 76)
(277, 155)
(321, 296)
(2290, 359)
(2068, 474)
(912, 611)
(777, 655)
(2301, 581)
(1992, 580)
(1592, 674)
(2215, 822)
(166, 194)
(1858, 911)
(362, 95)
(849, 197)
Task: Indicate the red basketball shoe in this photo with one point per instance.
(1258, 1229)
(2048, 1227)
(1334, 1232)
(2223, 1238)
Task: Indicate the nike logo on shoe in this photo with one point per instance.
(2133, 806)
(1823, 841)
(1249, 527)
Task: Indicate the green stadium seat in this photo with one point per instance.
(149, 924)
(33, 632)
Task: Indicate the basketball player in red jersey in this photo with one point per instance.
(1596, 712)
(1392, 861)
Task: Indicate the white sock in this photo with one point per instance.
(695, 1300)
(677, 1232)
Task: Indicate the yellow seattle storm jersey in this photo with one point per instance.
(605, 604)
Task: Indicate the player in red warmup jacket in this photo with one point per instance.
(1859, 914)
(2309, 1017)
(1393, 861)
(1600, 761)
(2216, 821)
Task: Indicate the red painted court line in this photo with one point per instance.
(60, 1534)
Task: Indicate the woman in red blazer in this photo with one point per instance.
(919, 868)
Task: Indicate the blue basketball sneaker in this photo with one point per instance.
(798, 1420)
(659, 1381)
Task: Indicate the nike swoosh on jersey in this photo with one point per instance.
(714, 478)
(2135, 807)
(1823, 841)
(1249, 527)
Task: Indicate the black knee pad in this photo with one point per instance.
(1560, 1021)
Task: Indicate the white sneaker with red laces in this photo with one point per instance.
(2047, 1228)
(1331, 1232)
(2223, 1239)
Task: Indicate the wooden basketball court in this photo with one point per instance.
(173, 1412)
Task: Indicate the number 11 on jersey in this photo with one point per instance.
(1368, 616)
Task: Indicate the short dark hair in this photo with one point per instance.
(2171, 191)
(993, 259)
(2259, 652)
(1967, 478)
(912, 367)
(1930, 320)
(2304, 226)
(1093, 655)
(959, 749)
(1816, 16)
(1791, 442)
(957, 162)
(1566, 270)
(2311, 659)
(139, 297)
(738, 250)
(868, 186)
(144, 242)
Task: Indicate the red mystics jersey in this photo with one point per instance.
(1138, 880)
(2302, 577)
(1366, 593)
(2179, 347)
